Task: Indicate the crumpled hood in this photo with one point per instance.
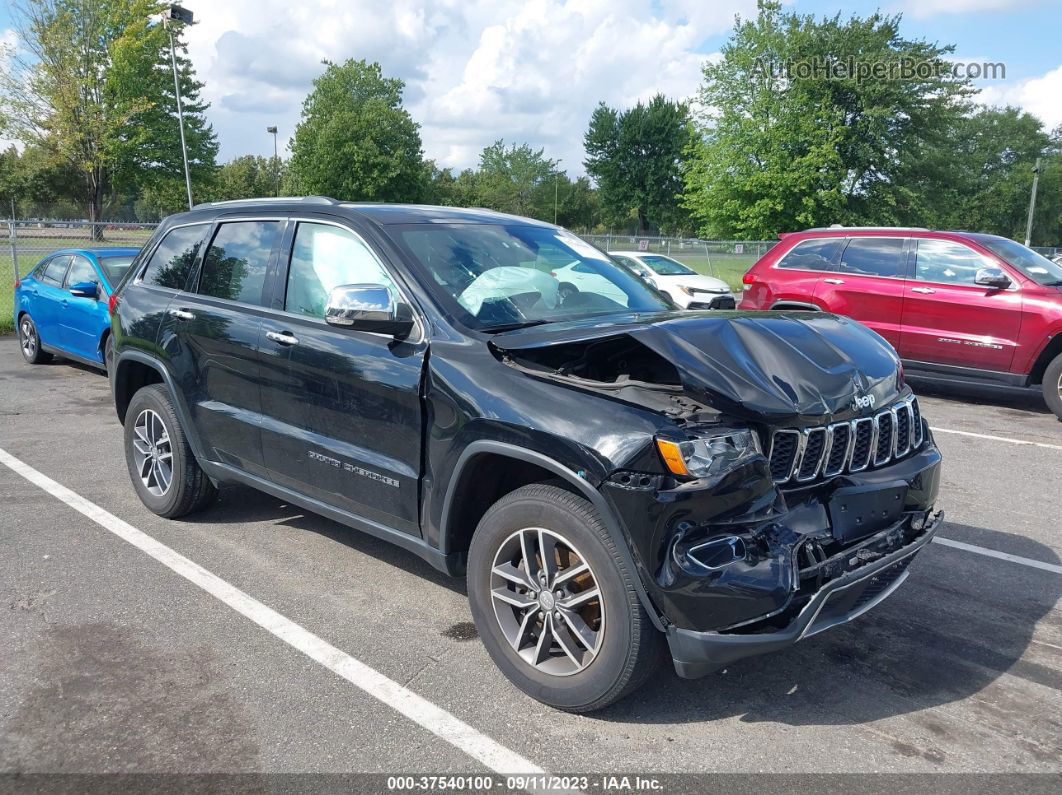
(769, 366)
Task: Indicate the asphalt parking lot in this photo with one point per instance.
(111, 661)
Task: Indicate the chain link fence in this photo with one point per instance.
(28, 241)
(725, 259)
(23, 243)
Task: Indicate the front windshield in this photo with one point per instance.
(114, 268)
(666, 266)
(494, 276)
(1036, 266)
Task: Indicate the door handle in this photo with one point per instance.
(834, 281)
(283, 337)
(925, 290)
(182, 314)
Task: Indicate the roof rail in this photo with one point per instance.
(864, 228)
(272, 199)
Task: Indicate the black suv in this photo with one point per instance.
(607, 472)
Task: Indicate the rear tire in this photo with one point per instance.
(165, 474)
(29, 342)
(619, 649)
(108, 353)
(1052, 386)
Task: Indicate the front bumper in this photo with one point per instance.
(839, 601)
(710, 301)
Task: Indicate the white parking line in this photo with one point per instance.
(998, 438)
(418, 709)
(991, 553)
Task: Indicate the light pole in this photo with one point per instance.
(183, 16)
(1032, 203)
(276, 165)
(556, 183)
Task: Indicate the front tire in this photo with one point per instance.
(29, 342)
(165, 474)
(555, 603)
(1052, 386)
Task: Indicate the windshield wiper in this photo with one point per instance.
(514, 326)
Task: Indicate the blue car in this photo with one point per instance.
(61, 306)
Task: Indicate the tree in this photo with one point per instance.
(516, 179)
(812, 122)
(355, 140)
(249, 177)
(636, 158)
(93, 87)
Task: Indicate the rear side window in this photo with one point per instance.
(55, 271)
(944, 262)
(81, 270)
(236, 263)
(813, 255)
(172, 261)
(324, 257)
(874, 256)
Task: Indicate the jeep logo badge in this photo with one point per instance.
(865, 402)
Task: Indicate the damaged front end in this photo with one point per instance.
(794, 483)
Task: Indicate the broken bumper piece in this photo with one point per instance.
(839, 601)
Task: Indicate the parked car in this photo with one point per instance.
(957, 306)
(682, 284)
(608, 473)
(61, 305)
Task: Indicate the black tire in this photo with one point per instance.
(1052, 386)
(629, 647)
(29, 342)
(108, 353)
(189, 488)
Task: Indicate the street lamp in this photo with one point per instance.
(276, 164)
(180, 16)
(556, 183)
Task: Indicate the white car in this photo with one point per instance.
(578, 277)
(686, 287)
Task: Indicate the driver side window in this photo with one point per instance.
(323, 257)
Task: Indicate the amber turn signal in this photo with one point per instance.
(672, 456)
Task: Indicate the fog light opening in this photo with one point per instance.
(718, 553)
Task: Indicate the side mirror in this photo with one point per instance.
(368, 307)
(992, 277)
(85, 290)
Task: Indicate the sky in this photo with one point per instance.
(533, 70)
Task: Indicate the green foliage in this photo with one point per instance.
(636, 158)
(516, 179)
(93, 88)
(355, 140)
(250, 177)
(779, 151)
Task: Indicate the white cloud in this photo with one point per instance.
(475, 70)
(920, 9)
(1038, 95)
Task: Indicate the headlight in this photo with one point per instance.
(709, 455)
(686, 290)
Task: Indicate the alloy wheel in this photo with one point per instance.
(29, 338)
(547, 601)
(152, 453)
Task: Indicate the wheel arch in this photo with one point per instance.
(133, 370)
(1047, 355)
(795, 305)
(459, 516)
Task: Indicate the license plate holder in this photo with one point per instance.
(857, 511)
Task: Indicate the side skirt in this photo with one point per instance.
(418, 546)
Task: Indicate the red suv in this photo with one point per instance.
(957, 306)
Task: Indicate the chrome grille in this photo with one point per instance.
(830, 450)
(886, 439)
(863, 429)
(811, 460)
